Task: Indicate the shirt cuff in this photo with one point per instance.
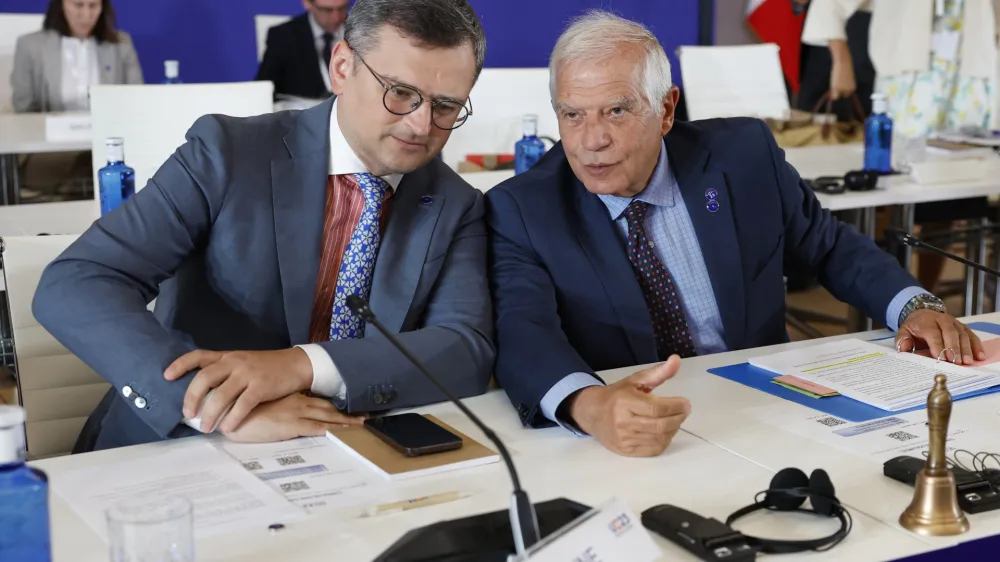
(326, 377)
(897, 304)
(560, 392)
(195, 422)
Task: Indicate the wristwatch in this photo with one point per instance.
(923, 301)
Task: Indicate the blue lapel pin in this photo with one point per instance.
(712, 206)
(711, 194)
(426, 200)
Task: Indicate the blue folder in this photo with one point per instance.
(839, 406)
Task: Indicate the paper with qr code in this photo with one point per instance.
(310, 472)
(877, 440)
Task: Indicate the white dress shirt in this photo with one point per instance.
(79, 71)
(327, 380)
(318, 32)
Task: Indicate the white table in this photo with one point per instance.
(716, 466)
(24, 133)
(720, 415)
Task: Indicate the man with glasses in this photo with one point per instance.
(254, 233)
(297, 58)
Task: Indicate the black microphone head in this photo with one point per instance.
(359, 306)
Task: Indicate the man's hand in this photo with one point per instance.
(241, 379)
(290, 417)
(626, 418)
(842, 81)
(938, 332)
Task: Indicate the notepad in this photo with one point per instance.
(869, 373)
(392, 464)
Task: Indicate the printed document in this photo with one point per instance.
(869, 373)
(226, 498)
(311, 472)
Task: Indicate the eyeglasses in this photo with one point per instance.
(328, 11)
(403, 100)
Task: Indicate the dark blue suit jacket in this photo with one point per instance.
(566, 298)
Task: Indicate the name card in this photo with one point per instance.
(67, 127)
(611, 533)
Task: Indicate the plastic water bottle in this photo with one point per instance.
(117, 181)
(24, 496)
(878, 136)
(171, 72)
(530, 149)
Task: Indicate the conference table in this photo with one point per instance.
(24, 133)
(722, 458)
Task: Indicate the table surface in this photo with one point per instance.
(716, 465)
(24, 133)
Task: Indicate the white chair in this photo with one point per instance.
(12, 26)
(57, 390)
(153, 119)
(733, 81)
(263, 24)
(499, 100)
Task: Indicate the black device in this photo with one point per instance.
(413, 434)
(482, 537)
(710, 540)
(905, 238)
(855, 180)
(975, 493)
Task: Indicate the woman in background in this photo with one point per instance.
(936, 61)
(77, 47)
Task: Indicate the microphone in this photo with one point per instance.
(912, 241)
(523, 519)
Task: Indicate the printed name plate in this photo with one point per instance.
(611, 533)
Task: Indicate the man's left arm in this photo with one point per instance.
(454, 341)
(855, 270)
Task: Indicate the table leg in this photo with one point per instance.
(981, 258)
(10, 180)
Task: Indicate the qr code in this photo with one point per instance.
(294, 486)
(294, 459)
(252, 465)
(902, 436)
(831, 421)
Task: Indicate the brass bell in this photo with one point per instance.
(934, 510)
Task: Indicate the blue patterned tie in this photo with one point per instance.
(669, 325)
(358, 264)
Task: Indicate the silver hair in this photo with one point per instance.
(599, 34)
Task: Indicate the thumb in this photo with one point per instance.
(656, 375)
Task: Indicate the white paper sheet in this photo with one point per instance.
(877, 440)
(226, 497)
(311, 472)
(870, 373)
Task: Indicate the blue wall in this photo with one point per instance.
(214, 39)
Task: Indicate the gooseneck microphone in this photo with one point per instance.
(523, 521)
(912, 241)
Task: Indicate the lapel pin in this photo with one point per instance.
(426, 200)
(711, 194)
(712, 206)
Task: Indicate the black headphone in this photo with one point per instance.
(789, 490)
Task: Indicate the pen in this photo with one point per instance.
(406, 505)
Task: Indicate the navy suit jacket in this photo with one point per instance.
(226, 236)
(565, 296)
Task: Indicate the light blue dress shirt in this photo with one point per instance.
(669, 226)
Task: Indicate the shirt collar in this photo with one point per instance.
(659, 192)
(343, 159)
(318, 30)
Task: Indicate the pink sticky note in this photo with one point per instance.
(805, 385)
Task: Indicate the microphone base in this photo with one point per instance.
(479, 538)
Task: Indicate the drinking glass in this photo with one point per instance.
(151, 530)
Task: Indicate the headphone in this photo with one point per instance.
(789, 490)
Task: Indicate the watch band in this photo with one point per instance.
(925, 301)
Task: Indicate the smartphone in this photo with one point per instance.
(413, 434)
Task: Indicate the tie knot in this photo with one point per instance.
(636, 211)
(373, 187)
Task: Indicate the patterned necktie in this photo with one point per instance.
(664, 303)
(358, 264)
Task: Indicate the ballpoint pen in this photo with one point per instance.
(406, 505)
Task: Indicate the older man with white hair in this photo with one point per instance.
(639, 239)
